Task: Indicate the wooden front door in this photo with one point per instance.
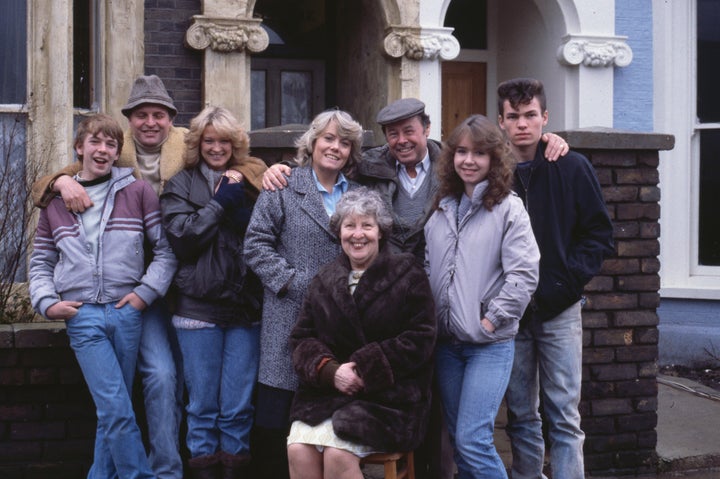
(464, 92)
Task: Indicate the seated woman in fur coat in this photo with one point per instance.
(362, 349)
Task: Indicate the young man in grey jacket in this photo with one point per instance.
(89, 270)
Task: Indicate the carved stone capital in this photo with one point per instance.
(225, 35)
(421, 44)
(595, 51)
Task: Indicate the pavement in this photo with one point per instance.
(688, 431)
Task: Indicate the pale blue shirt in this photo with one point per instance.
(330, 199)
(411, 185)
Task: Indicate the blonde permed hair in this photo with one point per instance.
(226, 125)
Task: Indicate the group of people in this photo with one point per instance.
(325, 310)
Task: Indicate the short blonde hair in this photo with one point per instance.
(347, 129)
(226, 125)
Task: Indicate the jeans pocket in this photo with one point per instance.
(130, 311)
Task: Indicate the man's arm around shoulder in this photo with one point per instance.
(43, 188)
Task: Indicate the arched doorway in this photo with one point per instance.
(465, 81)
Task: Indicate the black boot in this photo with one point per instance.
(205, 467)
(235, 466)
(269, 453)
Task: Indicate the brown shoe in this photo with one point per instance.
(205, 467)
(235, 466)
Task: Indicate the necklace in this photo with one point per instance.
(357, 274)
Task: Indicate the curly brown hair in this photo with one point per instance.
(487, 137)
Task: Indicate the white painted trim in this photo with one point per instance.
(674, 47)
(690, 293)
(13, 108)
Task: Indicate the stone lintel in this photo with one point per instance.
(603, 138)
(42, 334)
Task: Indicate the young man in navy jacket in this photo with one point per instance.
(574, 233)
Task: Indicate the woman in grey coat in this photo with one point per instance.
(287, 241)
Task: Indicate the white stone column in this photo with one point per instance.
(227, 37)
(50, 103)
(595, 56)
(123, 58)
(590, 50)
(420, 50)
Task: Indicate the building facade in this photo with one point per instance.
(644, 65)
(641, 66)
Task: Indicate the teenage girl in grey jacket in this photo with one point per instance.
(482, 261)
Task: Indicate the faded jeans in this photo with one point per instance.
(158, 367)
(105, 341)
(472, 379)
(548, 361)
(220, 366)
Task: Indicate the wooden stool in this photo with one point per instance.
(405, 470)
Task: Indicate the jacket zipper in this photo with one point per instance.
(526, 187)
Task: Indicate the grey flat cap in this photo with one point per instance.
(148, 89)
(400, 110)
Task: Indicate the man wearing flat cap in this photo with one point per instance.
(155, 148)
(401, 171)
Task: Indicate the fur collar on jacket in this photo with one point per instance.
(172, 154)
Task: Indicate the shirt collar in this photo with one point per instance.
(341, 182)
(423, 165)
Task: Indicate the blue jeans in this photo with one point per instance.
(472, 379)
(105, 341)
(548, 361)
(220, 366)
(162, 390)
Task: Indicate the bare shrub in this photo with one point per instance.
(17, 222)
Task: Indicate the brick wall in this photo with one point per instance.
(619, 402)
(166, 55)
(47, 417)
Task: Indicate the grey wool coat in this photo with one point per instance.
(287, 241)
(387, 327)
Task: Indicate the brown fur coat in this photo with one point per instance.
(388, 328)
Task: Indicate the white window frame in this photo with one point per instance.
(675, 93)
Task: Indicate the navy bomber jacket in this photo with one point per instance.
(571, 225)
